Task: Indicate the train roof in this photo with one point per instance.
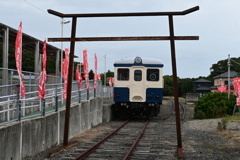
(148, 62)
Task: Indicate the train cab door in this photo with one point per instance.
(137, 87)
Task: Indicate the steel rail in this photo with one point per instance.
(171, 110)
(127, 156)
(184, 112)
(60, 149)
(93, 148)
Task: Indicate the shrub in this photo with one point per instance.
(214, 105)
(200, 114)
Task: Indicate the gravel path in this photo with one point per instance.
(200, 139)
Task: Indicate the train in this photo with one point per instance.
(138, 86)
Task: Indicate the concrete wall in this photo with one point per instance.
(29, 137)
(10, 142)
(107, 112)
(192, 97)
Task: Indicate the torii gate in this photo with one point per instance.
(172, 39)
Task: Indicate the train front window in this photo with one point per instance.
(123, 74)
(137, 75)
(152, 74)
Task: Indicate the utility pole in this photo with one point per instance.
(62, 22)
(228, 77)
(105, 78)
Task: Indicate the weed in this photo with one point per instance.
(221, 147)
(222, 125)
(219, 127)
(207, 145)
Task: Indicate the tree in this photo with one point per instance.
(222, 67)
(91, 74)
(168, 86)
(108, 74)
(185, 86)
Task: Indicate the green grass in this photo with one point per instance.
(234, 118)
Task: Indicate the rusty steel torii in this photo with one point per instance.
(172, 39)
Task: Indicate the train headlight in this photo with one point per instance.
(153, 76)
(138, 60)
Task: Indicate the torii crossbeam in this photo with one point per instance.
(171, 38)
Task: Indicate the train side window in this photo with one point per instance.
(137, 75)
(152, 74)
(123, 74)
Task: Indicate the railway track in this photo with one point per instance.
(173, 109)
(158, 140)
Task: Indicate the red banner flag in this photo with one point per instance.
(65, 73)
(65, 63)
(95, 72)
(43, 75)
(78, 77)
(236, 85)
(99, 76)
(18, 57)
(222, 88)
(44, 56)
(111, 81)
(63, 68)
(85, 62)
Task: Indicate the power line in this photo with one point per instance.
(47, 13)
(36, 7)
(235, 61)
(86, 49)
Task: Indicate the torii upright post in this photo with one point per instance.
(172, 38)
(175, 87)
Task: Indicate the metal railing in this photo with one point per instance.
(15, 108)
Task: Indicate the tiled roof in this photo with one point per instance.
(203, 88)
(225, 75)
(202, 80)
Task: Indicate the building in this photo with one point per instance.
(31, 44)
(223, 78)
(202, 86)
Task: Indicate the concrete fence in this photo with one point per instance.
(192, 98)
(29, 137)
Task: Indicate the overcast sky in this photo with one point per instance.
(217, 24)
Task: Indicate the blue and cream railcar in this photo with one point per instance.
(138, 86)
